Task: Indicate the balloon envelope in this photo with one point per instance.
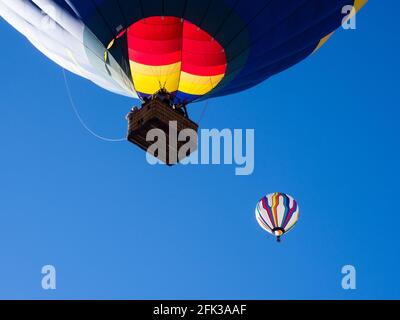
(196, 49)
(277, 213)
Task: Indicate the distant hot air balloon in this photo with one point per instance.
(277, 213)
(175, 51)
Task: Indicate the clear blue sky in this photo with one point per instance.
(327, 133)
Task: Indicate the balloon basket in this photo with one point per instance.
(156, 114)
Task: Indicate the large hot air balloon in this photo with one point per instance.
(277, 213)
(175, 51)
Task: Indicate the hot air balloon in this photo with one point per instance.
(171, 53)
(277, 213)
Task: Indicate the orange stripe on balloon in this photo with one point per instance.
(275, 202)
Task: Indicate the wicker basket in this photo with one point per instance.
(156, 114)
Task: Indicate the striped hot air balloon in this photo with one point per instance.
(277, 213)
(170, 53)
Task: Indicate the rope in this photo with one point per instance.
(82, 122)
(203, 112)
